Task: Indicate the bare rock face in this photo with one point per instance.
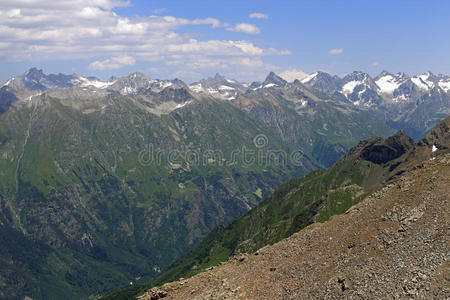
(153, 294)
(393, 244)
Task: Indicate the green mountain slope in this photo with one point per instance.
(315, 197)
(96, 192)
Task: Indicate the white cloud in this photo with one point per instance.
(376, 64)
(245, 28)
(291, 74)
(113, 63)
(36, 30)
(159, 10)
(336, 51)
(258, 16)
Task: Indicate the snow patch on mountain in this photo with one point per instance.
(8, 82)
(445, 85)
(270, 85)
(419, 83)
(213, 91)
(165, 84)
(400, 98)
(226, 87)
(32, 96)
(310, 77)
(387, 84)
(196, 87)
(349, 87)
(83, 82)
(423, 81)
(182, 104)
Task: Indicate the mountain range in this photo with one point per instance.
(103, 183)
(414, 104)
(411, 103)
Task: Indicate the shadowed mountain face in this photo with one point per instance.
(103, 183)
(316, 197)
(383, 151)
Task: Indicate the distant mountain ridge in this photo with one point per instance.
(414, 104)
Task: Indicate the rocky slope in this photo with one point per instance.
(393, 244)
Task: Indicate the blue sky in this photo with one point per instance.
(241, 39)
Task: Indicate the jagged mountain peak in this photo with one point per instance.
(358, 76)
(316, 75)
(135, 75)
(178, 81)
(34, 72)
(402, 75)
(273, 78)
(323, 81)
(218, 87)
(219, 76)
(384, 73)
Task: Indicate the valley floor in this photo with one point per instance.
(394, 244)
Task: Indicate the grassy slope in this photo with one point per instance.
(79, 181)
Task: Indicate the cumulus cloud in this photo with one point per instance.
(245, 28)
(336, 51)
(293, 74)
(34, 30)
(256, 15)
(113, 63)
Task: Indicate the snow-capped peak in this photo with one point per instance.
(218, 87)
(388, 83)
(424, 81)
(444, 84)
(84, 82)
(8, 82)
